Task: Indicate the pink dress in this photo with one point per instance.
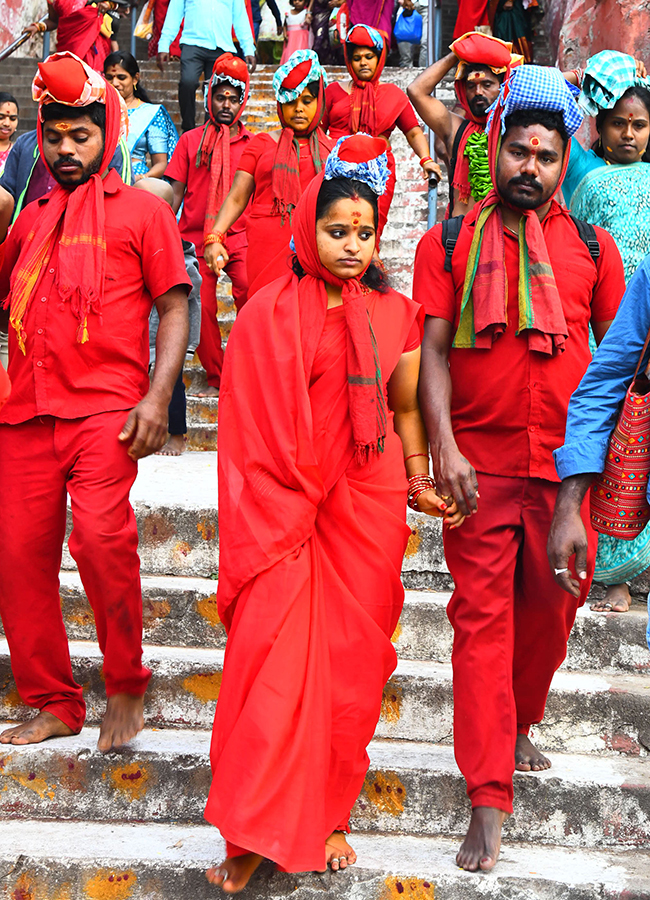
(300, 36)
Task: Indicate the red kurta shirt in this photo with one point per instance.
(509, 403)
(60, 377)
(393, 110)
(182, 167)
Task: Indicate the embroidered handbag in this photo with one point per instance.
(619, 504)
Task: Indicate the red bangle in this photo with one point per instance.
(426, 159)
(416, 454)
(215, 237)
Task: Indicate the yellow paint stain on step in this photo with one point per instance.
(181, 551)
(391, 702)
(207, 608)
(205, 686)
(155, 611)
(415, 539)
(110, 884)
(12, 698)
(26, 778)
(131, 780)
(397, 633)
(408, 889)
(157, 529)
(207, 530)
(386, 792)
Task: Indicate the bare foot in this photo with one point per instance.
(480, 849)
(174, 446)
(527, 756)
(209, 391)
(40, 728)
(617, 599)
(234, 873)
(339, 854)
(122, 720)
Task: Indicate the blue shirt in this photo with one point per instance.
(209, 24)
(595, 403)
(581, 162)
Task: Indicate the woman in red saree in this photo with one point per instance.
(82, 29)
(319, 426)
(364, 104)
(274, 170)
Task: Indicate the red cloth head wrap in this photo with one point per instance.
(363, 99)
(64, 78)
(214, 149)
(365, 387)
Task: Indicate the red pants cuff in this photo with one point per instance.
(135, 686)
(523, 729)
(71, 714)
(494, 798)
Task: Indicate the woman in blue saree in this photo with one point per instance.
(152, 132)
(609, 185)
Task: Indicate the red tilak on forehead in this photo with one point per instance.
(355, 197)
(356, 216)
(477, 76)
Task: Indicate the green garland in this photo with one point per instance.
(476, 149)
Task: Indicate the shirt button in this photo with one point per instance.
(532, 428)
(51, 271)
(40, 331)
(43, 299)
(39, 363)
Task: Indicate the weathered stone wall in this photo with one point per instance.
(579, 28)
(14, 15)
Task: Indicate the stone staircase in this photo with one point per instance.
(79, 825)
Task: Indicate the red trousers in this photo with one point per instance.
(210, 350)
(511, 624)
(41, 461)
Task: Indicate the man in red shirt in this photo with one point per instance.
(81, 267)
(201, 172)
(506, 344)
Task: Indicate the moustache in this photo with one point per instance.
(67, 161)
(522, 180)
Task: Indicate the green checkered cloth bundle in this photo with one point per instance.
(608, 75)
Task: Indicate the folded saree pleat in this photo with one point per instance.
(309, 590)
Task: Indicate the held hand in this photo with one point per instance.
(251, 62)
(455, 477)
(280, 30)
(567, 536)
(308, 19)
(640, 68)
(161, 61)
(429, 503)
(431, 169)
(31, 29)
(216, 257)
(145, 428)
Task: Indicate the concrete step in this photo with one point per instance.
(411, 788)
(97, 861)
(586, 713)
(182, 612)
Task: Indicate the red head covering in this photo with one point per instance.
(483, 310)
(365, 388)
(214, 149)
(363, 100)
(475, 48)
(63, 78)
(286, 171)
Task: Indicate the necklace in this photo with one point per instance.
(511, 230)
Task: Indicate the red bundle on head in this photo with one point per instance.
(361, 148)
(64, 78)
(297, 75)
(475, 48)
(363, 99)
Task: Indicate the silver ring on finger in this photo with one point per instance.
(561, 571)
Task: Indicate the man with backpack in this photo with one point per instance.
(481, 65)
(505, 345)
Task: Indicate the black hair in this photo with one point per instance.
(478, 67)
(9, 98)
(547, 118)
(330, 192)
(96, 112)
(313, 87)
(353, 47)
(130, 65)
(641, 94)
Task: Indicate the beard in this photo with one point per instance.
(478, 105)
(91, 169)
(538, 197)
(225, 117)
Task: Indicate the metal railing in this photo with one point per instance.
(434, 52)
(7, 51)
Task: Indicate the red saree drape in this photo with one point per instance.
(311, 547)
(79, 32)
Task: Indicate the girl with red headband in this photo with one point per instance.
(363, 104)
(319, 429)
(274, 170)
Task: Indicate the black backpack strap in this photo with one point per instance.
(454, 158)
(588, 237)
(450, 231)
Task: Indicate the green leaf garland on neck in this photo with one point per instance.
(476, 150)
